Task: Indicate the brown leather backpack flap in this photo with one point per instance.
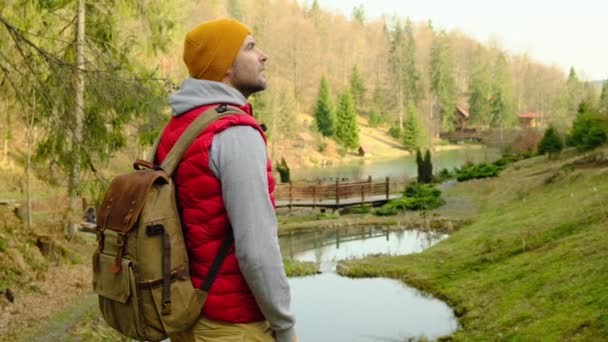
(125, 199)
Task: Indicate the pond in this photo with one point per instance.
(330, 307)
(400, 167)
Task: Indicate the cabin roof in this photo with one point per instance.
(529, 115)
(462, 112)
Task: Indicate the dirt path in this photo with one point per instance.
(63, 295)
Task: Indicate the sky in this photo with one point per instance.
(563, 33)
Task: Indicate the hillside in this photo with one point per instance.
(532, 264)
(302, 150)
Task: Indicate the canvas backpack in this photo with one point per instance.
(140, 268)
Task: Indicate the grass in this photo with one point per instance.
(532, 266)
(295, 268)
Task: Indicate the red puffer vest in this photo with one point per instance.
(204, 217)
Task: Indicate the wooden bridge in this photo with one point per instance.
(338, 194)
(463, 135)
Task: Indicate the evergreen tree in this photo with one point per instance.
(396, 68)
(420, 165)
(411, 80)
(358, 89)
(479, 90)
(324, 110)
(283, 170)
(603, 105)
(551, 143)
(428, 167)
(442, 80)
(412, 133)
(589, 128)
(502, 110)
(574, 90)
(425, 167)
(347, 131)
(79, 78)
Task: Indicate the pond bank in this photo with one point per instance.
(386, 309)
(534, 255)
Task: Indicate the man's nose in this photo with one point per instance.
(263, 56)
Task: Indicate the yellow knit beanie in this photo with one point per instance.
(211, 47)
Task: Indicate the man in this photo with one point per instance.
(224, 182)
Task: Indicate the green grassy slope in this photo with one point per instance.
(534, 263)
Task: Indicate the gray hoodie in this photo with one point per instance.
(238, 159)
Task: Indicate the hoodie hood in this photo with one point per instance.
(194, 93)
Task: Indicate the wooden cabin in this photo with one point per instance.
(530, 119)
(462, 118)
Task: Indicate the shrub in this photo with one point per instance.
(551, 143)
(444, 175)
(283, 170)
(394, 132)
(416, 197)
(321, 146)
(482, 170)
(589, 130)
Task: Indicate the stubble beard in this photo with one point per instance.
(248, 83)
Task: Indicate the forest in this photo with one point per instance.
(83, 81)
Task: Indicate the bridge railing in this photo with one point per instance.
(338, 190)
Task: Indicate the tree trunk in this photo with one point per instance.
(6, 134)
(28, 164)
(74, 181)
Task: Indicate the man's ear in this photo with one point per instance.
(228, 76)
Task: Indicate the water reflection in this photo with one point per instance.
(334, 308)
(404, 166)
(338, 309)
(329, 246)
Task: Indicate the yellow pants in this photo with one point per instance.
(206, 330)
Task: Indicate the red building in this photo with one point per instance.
(530, 119)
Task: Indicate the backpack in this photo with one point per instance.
(140, 268)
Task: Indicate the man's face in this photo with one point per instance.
(247, 71)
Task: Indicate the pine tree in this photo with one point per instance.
(412, 132)
(347, 131)
(551, 143)
(428, 167)
(358, 89)
(479, 90)
(574, 90)
(420, 165)
(502, 109)
(79, 79)
(425, 167)
(324, 111)
(396, 68)
(411, 80)
(442, 80)
(283, 170)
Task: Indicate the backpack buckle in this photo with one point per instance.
(154, 229)
(221, 108)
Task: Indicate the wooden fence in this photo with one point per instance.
(338, 193)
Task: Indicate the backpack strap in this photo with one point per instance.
(217, 262)
(192, 132)
(169, 165)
